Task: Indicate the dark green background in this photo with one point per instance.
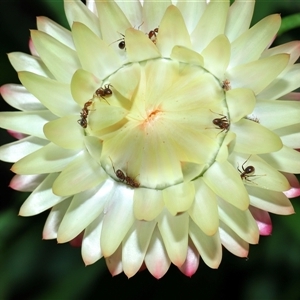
(34, 269)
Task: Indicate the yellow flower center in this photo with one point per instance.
(163, 121)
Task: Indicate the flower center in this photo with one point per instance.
(161, 116)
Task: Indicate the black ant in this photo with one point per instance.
(84, 114)
(125, 178)
(247, 172)
(104, 92)
(222, 123)
(121, 44)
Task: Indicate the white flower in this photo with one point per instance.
(158, 131)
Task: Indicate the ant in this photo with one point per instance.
(152, 35)
(247, 172)
(121, 44)
(226, 85)
(222, 123)
(125, 178)
(84, 114)
(104, 92)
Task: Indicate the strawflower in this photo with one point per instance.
(156, 132)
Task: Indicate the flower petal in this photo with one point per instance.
(148, 203)
(170, 35)
(263, 220)
(209, 246)
(65, 132)
(84, 209)
(76, 11)
(263, 176)
(191, 12)
(119, 208)
(186, 55)
(282, 85)
(218, 50)
(112, 20)
(90, 249)
(94, 54)
(272, 201)
(133, 11)
(54, 219)
(26, 122)
(178, 198)
(290, 135)
(14, 151)
(61, 60)
(239, 18)
(286, 160)
(240, 221)
(192, 261)
(41, 198)
(26, 183)
(79, 175)
(114, 262)
(204, 210)
(48, 159)
(135, 245)
(254, 138)
(257, 75)
(215, 13)
(241, 102)
(139, 47)
(157, 259)
(232, 242)
(18, 97)
(225, 181)
(284, 113)
(153, 12)
(59, 101)
(174, 231)
(24, 62)
(249, 46)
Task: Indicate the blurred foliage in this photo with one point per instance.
(34, 269)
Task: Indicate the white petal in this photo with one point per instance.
(14, 151)
(54, 219)
(85, 208)
(135, 245)
(157, 259)
(241, 222)
(41, 198)
(90, 249)
(209, 247)
(114, 262)
(118, 218)
(24, 62)
(174, 231)
(232, 242)
(18, 97)
(48, 159)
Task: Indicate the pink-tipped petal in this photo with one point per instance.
(114, 262)
(192, 261)
(294, 191)
(262, 219)
(17, 135)
(26, 183)
(32, 48)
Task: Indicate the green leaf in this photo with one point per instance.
(289, 22)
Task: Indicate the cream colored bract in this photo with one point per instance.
(156, 132)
